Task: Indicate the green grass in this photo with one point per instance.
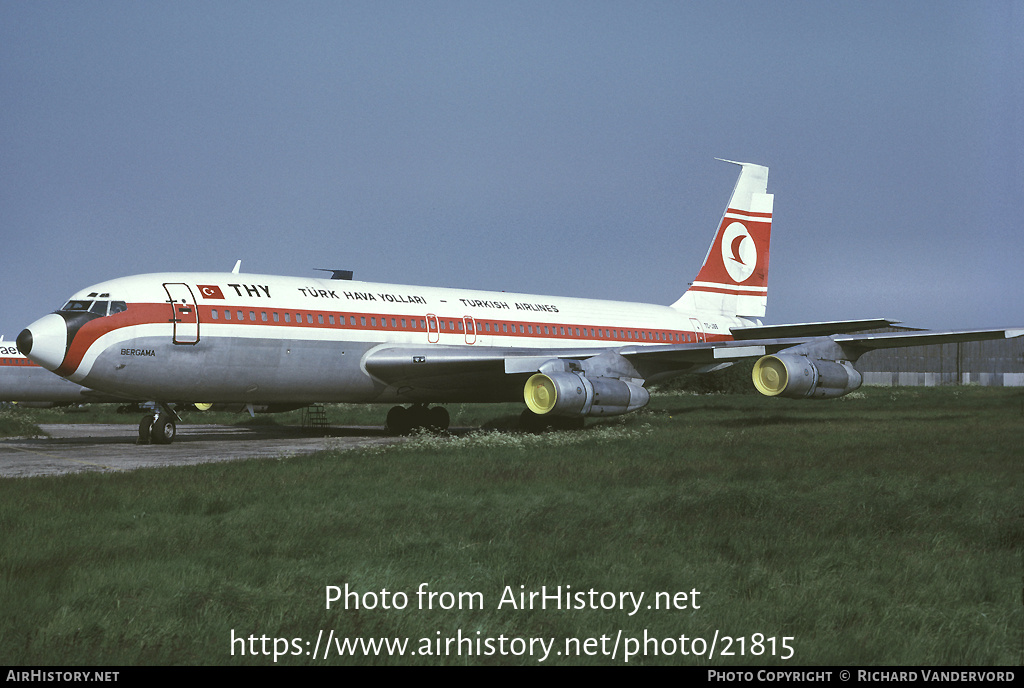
(17, 423)
(886, 528)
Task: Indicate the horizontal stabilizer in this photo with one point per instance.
(337, 274)
(815, 329)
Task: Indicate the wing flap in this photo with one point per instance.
(814, 329)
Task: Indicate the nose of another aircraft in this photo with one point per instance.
(45, 341)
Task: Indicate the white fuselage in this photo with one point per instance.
(226, 337)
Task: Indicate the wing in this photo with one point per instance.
(461, 373)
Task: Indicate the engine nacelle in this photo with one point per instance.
(576, 395)
(801, 377)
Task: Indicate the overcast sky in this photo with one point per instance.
(559, 148)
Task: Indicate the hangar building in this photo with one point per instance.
(993, 363)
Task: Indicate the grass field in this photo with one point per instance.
(886, 527)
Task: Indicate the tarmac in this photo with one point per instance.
(76, 448)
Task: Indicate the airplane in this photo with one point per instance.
(234, 338)
(26, 383)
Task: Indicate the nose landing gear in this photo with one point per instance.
(159, 427)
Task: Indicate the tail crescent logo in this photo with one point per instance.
(739, 253)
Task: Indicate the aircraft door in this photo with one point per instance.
(184, 314)
(433, 332)
(698, 330)
(470, 329)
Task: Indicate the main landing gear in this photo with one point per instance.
(159, 427)
(402, 420)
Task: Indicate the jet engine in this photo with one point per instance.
(574, 394)
(803, 377)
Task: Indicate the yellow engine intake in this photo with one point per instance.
(770, 376)
(540, 394)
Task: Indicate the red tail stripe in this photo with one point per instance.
(748, 213)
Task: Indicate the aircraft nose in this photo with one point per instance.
(45, 341)
(24, 341)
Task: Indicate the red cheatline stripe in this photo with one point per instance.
(522, 327)
(16, 362)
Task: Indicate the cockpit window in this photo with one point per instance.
(100, 308)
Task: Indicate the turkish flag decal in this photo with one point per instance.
(210, 291)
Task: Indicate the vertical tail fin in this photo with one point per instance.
(734, 277)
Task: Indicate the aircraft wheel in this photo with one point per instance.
(163, 431)
(145, 429)
(399, 420)
(419, 416)
(438, 419)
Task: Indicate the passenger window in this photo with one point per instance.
(320, 317)
(277, 317)
(263, 316)
(252, 316)
(241, 316)
(213, 314)
(287, 317)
